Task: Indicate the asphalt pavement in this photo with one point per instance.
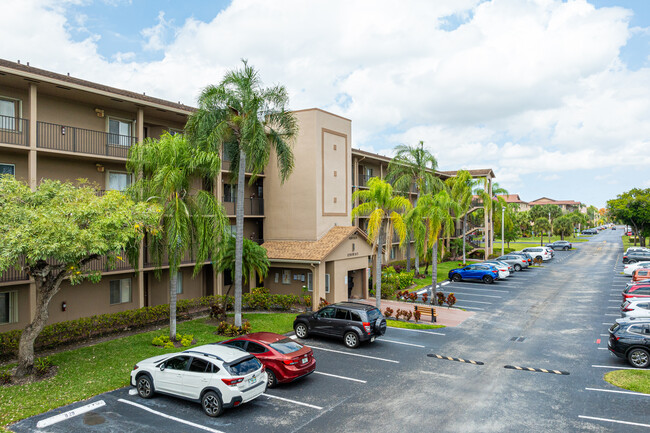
(532, 359)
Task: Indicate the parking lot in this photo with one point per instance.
(532, 358)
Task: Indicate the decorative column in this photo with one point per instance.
(139, 124)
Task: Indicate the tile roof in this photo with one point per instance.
(310, 250)
(546, 200)
(477, 172)
(512, 198)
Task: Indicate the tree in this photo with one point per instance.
(247, 122)
(193, 222)
(413, 165)
(633, 208)
(57, 232)
(385, 211)
(461, 192)
(541, 225)
(563, 226)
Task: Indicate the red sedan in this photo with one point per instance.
(285, 360)
(640, 290)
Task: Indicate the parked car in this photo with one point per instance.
(630, 339)
(284, 359)
(634, 249)
(527, 256)
(217, 376)
(560, 245)
(516, 261)
(590, 232)
(502, 267)
(479, 271)
(636, 307)
(637, 291)
(636, 256)
(539, 252)
(613, 227)
(631, 267)
(354, 322)
(641, 274)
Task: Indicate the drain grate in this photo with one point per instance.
(518, 339)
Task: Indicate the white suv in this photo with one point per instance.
(217, 376)
(542, 252)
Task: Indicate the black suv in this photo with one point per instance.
(353, 321)
(560, 245)
(630, 339)
(636, 256)
(590, 232)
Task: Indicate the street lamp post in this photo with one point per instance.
(503, 228)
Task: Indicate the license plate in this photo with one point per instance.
(372, 338)
(252, 380)
(304, 360)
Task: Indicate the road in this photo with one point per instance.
(553, 318)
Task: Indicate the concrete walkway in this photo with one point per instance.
(446, 316)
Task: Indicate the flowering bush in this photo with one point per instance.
(388, 312)
(451, 300)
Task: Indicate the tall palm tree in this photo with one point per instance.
(433, 216)
(413, 165)
(542, 224)
(386, 214)
(193, 222)
(461, 192)
(247, 122)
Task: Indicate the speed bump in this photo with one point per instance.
(449, 358)
(539, 370)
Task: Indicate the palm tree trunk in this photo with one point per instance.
(434, 268)
(408, 251)
(173, 288)
(464, 230)
(239, 240)
(380, 245)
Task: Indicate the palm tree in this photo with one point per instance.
(542, 224)
(247, 122)
(193, 222)
(461, 192)
(385, 212)
(413, 165)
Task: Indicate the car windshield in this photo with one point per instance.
(286, 345)
(373, 315)
(244, 367)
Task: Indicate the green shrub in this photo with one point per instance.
(169, 345)
(5, 378)
(233, 331)
(165, 342)
(42, 366)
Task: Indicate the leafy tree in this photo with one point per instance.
(247, 122)
(563, 226)
(57, 232)
(413, 165)
(386, 212)
(193, 222)
(541, 225)
(460, 187)
(578, 219)
(633, 208)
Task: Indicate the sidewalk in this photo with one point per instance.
(446, 316)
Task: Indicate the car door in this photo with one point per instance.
(322, 323)
(196, 378)
(340, 321)
(260, 352)
(468, 272)
(170, 377)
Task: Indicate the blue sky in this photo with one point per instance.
(553, 95)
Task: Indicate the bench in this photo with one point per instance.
(427, 311)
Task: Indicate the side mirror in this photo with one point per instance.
(162, 367)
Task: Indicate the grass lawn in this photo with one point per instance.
(634, 380)
(106, 366)
(627, 244)
(536, 240)
(408, 325)
(443, 270)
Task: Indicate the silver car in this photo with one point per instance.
(517, 262)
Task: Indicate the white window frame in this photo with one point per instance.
(277, 277)
(12, 165)
(179, 283)
(17, 116)
(108, 178)
(327, 283)
(286, 276)
(13, 307)
(122, 287)
(393, 252)
(131, 122)
(310, 282)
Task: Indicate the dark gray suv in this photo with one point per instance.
(354, 322)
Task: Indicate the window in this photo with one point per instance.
(636, 329)
(327, 313)
(342, 314)
(120, 291)
(118, 181)
(8, 169)
(237, 343)
(177, 363)
(119, 132)
(286, 276)
(355, 316)
(286, 345)
(199, 366)
(9, 113)
(179, 283)
(393, 252)
(327, 283)
(310, 282)
(277, 277)
(229, 193)
(255, 348)
(368, 173)
(8, 307)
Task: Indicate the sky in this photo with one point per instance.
(553, 95)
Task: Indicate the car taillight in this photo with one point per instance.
(233, 382)
(263, 368)
(366, 326)
(135, 367)
(625, 257)
(523, 261)
(627, 309)
(292, 361)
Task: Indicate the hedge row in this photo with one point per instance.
(72, 331)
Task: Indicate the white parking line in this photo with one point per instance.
(614, 421)
(417, 330)
(618, 368)
(614, 300)
(602, 348)
(471, 308)
(444, 283)
(69, 414)
(400, 342)
(483, 290)
(294, 402)
(477, 302)
(355, 354)
(615, 315)
(614, 307)
(173, 418)
(618, 392)
(340, 377)
(472, 294)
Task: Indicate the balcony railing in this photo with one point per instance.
(14, 130)
(13, 274)
(252, 207)
(363, 179)
(73, 139)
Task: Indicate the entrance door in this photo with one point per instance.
(350, 283)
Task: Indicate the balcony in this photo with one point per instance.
(80, 140)
(14, 130)
(252, 207)
(363, 179)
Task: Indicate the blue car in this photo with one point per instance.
(483, 272)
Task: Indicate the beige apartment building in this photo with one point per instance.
(567, 206)
(60, 127)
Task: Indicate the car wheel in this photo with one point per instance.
(517, 268)
(488, 279)
(632, 261)
(144, 385)
(211, 403)
(639, 357)
(539, 258)
(566, 248)
(351, 340)
(456, 278)
(272, 381)
(301, 330)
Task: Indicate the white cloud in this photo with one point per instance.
(155, 36)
